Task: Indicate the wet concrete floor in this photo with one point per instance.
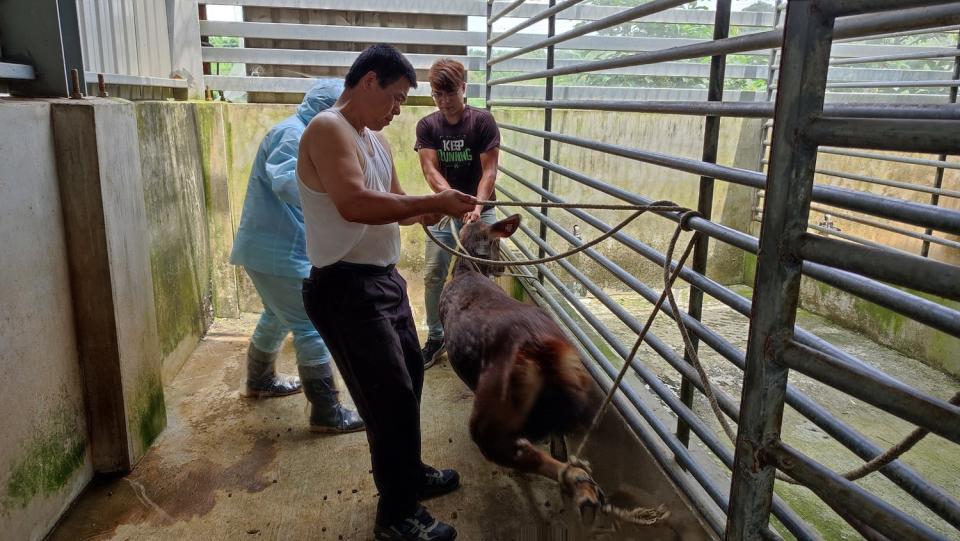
(228, 468)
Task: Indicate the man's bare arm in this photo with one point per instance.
(332, 166)
(489, 161)
(430, 165)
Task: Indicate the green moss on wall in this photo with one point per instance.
(49, 460)
(149, 416)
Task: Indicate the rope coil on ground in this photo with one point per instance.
(641, 515)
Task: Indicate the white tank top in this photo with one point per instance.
(330, 238)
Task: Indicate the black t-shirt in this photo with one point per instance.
(459, 145)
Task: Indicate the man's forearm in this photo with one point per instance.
(376, 208)
(437, 182)
(485, 188)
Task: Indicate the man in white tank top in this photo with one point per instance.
(353, 206)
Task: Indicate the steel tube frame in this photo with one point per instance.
(933, 136)
(500, 14)
(946, 53)
(919, 214)
(938, 416)
(889, 158)
(933, 497)
(915, 307)
(892, 229)
(891, 183)
(884, 265)
(869, 509)
(938, 176)
(547, 120)
(803, 76)
(863, 25)
(739, 109)
(649, 8)
(533, 20)
(711, 138)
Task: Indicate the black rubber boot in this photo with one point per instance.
(263, 380)
(327, 414)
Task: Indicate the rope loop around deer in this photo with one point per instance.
(459, 251)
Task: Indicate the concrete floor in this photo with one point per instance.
(229, 468)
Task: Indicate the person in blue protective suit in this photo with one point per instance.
(270, 246)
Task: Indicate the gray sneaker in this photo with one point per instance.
(431, 352)
(418, 527)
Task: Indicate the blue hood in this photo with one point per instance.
(323, 95)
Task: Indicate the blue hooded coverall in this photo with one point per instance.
(270, 242)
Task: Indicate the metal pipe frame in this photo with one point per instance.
(938, 175)
(793, 523)
(863, 25)
(547, 118)
(848, 496)
(898, 230)
(711, 138)
(739, 109)
(933, 136)
(938, 29)
(648, 8)
(894, 84)
(917, 308)
(946, 53)
(550, 12)
(890, 158)
(891, 183)
(852, 238)
(883, 264)
(807, 35)
(846, 8)
(933, 497)
(919, 214)
(510, 7)
(938, 416)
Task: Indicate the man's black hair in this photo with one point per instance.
(386, 61)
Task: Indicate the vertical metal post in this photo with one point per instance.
(547, 127)
(938, 176)
(488, 88)
(764, 131)
(800, 93)
(711, 137)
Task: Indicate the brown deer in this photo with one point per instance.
(527, 379)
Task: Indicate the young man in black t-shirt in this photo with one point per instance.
(459, 148)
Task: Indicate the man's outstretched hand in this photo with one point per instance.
(454, 203)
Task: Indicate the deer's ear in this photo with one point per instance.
(505, 227)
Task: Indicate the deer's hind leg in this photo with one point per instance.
(501, 406)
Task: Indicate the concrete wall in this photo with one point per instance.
(44, 459)
(173, 185)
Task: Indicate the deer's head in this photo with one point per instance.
(483, 240)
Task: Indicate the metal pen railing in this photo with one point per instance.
(785, 252)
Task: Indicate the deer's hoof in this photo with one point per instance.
(586, 493)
